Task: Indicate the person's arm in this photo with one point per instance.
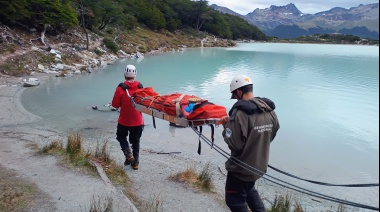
(276, 125)
(235, 133)
(223, 121)
(116, 100)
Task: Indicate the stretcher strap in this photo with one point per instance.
(152, 100)
(154, 120)
(212, 135)
(145, 98)
(178, 105)
(199, 145)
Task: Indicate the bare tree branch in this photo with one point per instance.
(43, 34)
(31, 40)
(5, 33)
(83, 23)
(118, 32)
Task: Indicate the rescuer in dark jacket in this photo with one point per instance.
(248, 131)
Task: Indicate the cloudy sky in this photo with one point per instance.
(306, 6)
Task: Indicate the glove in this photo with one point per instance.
(113, 108)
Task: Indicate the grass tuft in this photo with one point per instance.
(102, 153)
(55, 145)
(341, 208)
(188, 176)
(201, 181)
(99, 204)
(74, 144)
(298, 207)
(75, 155)
(205, 179)
(283, 203)
(117, 174)
(154, 204)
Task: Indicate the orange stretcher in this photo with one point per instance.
(181, 109)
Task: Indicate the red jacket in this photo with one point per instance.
(129, 116)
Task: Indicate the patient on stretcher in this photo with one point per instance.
(181, 105)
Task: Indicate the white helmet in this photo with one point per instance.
(130, 71)
(238, 82)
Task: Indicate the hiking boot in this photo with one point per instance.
(128, 160)
(128, 156)
(135, 164)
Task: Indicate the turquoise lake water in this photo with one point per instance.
(327, 99)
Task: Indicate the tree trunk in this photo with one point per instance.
(43, 34)
(87, 40)
(83, 24)
(200, 23)
(118, 32)
(102, 25)
(200, 26)
(197, 24)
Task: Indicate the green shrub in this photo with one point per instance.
(205, 178)
(111, 45)
(98, 52)
(143, 49)
(110, 31)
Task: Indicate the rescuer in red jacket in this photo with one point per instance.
(130, 122)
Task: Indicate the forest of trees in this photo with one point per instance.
(56, 16)
(334, 38)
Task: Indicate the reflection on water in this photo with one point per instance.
(327, 99)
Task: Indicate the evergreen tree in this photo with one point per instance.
(13, 11)
(218, 26)
(51, 12)
(126, 14)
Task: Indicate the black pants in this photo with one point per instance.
(134, 138)
(239, 194)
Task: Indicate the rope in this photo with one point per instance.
(325, 184)
(151, 101)
(151, 98)
(283, 183)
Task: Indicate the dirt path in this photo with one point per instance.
(66, 189)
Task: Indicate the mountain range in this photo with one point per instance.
(289, 22)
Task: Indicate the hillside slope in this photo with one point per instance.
(22, 52)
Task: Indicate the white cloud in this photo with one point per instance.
(306, 6)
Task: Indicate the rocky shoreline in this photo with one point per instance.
(71, 53)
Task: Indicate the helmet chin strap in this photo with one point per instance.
(239, 97)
